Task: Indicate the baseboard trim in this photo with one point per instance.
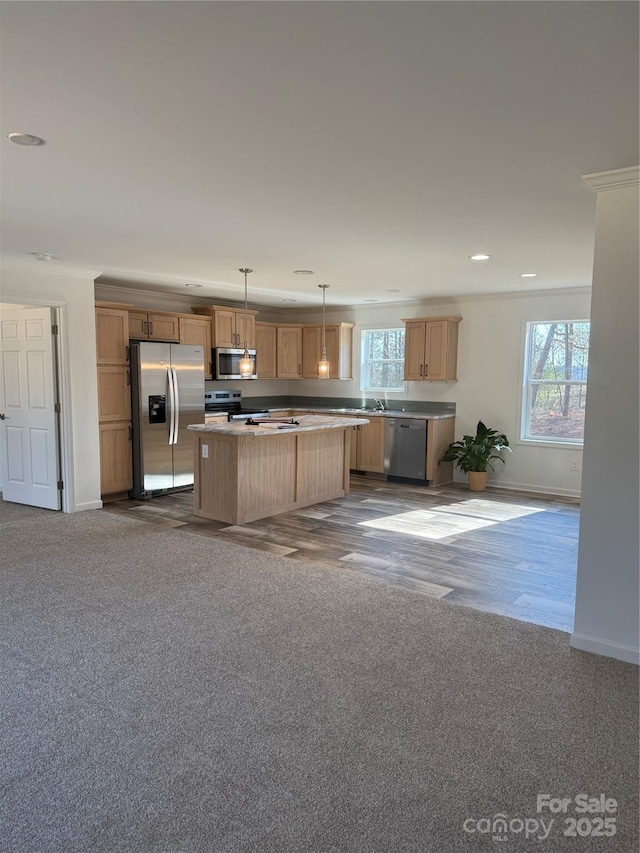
(541, 490)
(87, 505)
(597, 646)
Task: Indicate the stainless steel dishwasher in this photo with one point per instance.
(405, 448)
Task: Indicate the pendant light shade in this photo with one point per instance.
(246, 365)
(323, 364)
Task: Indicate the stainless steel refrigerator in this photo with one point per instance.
(167, 394)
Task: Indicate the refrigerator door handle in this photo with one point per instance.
(172, 404)
(176, 407)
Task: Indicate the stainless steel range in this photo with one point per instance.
(229, 401)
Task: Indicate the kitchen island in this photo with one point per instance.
(245, 472)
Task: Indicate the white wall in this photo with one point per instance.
(490, 364)
(73, 294)
(607, 619)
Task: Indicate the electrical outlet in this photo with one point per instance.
(575, 465)
(205, 451)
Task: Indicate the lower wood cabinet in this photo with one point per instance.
(116, 472)
(367, 444)
(370, 446)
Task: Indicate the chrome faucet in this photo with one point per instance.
(379, 406)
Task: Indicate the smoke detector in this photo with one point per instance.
(25, 139)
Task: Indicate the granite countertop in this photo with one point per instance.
(387, 413)
(307, 423)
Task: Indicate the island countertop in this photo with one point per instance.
(306, 423)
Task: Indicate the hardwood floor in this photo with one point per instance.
(511, 553)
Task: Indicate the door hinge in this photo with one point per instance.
(60, 485)
(54, 329)
(57, 408)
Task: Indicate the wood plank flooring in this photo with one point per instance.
(510, 553)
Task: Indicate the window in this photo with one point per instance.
(382, 366)
(555, 382)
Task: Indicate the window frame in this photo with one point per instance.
(364, 331)
(526, 383)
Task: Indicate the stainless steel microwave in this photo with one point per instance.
(226, 362)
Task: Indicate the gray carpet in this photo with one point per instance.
(166, 693)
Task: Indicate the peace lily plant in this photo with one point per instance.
(473, 454)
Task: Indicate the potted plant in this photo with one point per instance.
(474, 454)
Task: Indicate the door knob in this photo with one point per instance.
(3, 417)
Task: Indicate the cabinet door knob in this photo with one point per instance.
(150, 327)
(421, 366)
(128, 377)
(126, 353)
(426, 370)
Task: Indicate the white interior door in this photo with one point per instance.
(28, 426)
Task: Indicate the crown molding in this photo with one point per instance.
(118, 293)
(614, 179)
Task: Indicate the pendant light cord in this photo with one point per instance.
(246, 272)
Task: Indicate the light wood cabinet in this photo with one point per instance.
(440, 434)
(289, 352)
(144, 326)
(339, 343)
(431, 349)
(114, 393)
(266, 343)
(115, 458)
(197, 332)
(114, 399)
(112, 336)
(230, 328)
(367, 444)
(370, 446)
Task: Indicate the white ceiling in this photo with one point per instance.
(379, 143)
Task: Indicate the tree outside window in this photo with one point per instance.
(555, 382)
(382, 364)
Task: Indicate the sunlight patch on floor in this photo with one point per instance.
(451, 520)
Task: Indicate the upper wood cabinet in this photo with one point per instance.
(145, 326)
(112, 336)
(266, 342)
(114, 392)
(197, 331)
(431, 349)
(338, 338)
(229, 327)
(289, 352)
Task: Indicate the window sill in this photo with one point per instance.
(556, 445)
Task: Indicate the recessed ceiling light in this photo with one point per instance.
(42, 256)
(303, 272)
(528, 274)
(289, 300)
(193, 285)
(480, 257)
(25, 139)
(392, 290)
(369, 300)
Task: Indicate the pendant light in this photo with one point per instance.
(246, 365)
(323, 364)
